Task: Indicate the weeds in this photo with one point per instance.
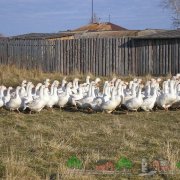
(37, 146)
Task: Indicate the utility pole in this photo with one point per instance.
(92, 20)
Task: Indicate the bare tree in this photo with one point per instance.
(174, 6)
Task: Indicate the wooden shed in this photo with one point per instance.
(159, 53)
(104, 53)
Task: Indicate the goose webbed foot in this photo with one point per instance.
(89, 110)
(126, 112)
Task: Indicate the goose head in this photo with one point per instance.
(64, 82)
(97, 80)
(23, 82)
(55, 83)
(178, 76)
(113, 80)
(117, 82)
(47, 83)
(159, 80)
(139, 81)
(38, 86)
(9, 89)
(135, 80)
(69, 85)
(18, 87)
(75, 82)
(130, 84)
(87, 79)
(3, 87)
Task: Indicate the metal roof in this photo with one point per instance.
(106, 34)
(136, 34)
(42, 35)
(101, 27)
(168, 34)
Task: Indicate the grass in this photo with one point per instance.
(37, 146)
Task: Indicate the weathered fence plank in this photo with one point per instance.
(99, 56)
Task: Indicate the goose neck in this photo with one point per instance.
(52, 89)
(55, 90)
(113, 94)
(68, 90)
(92, 92)
(134, 90)
(8, 92)
(17, 91)
(41, 92)
(1, 92)
(87, 80)
(139, 96)
(30, 91)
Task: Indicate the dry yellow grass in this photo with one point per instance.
(12, 76)
(37, 146)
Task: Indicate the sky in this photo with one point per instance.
(49, 16)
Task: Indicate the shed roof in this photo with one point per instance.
(101, 27)
(2, 37)
(167, 34)
(104, 34)
(137, 34)
(42, 35)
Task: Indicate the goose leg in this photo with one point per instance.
(89, 110)
(127, 112)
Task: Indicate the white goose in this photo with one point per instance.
(62, 88)
(85, 86)
(167, 96)
(75, 86)
(46, 95)
(133, 104)
(2, 89)
(110, 105)
(15, 102)
(53, 99)
(7, 97)
(28, 98)
(36, 92)
(22, 91)
(149, 101)
(85, 102)
(96, 105)
(64, 97)
(176, 105)
(76, 97)
(128, 94)
(39, 103)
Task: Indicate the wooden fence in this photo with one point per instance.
(99, 56)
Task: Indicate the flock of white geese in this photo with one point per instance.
(115, 93)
